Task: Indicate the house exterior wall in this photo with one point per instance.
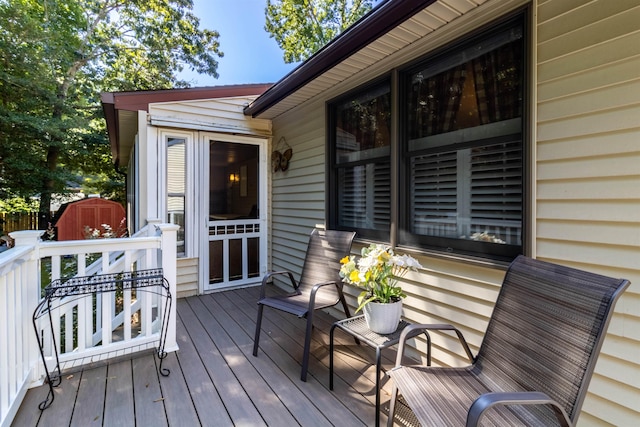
(585, 191)
(187, 277)
(297, 194)
(588, 174)
(217, 115)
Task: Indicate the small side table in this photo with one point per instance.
(357, 327)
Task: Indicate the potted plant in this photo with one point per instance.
(376, 273)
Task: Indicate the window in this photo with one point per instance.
(464, 147)
(361, 168)
(460, 151)
(176, 187)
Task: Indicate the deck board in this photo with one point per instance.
(318, 398)
(175, 395)
(216, 381)
(118, 405)
(89, 404)
(236, 399)
(282, 340)
(204, 395)
(273, 411)
(147, 395)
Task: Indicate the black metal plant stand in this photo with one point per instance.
(151, 280)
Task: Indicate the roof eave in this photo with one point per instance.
(114, 104)
(369, 28)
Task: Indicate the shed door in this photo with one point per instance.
(235, 231)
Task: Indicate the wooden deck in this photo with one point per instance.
(216, 381)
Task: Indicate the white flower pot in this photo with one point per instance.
(383, 318)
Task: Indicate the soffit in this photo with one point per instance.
(420, 25)
(127, 129)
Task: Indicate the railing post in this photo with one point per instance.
(26, 237)
(152, 224)
(31, 276)
(169, 239)
(153, 230)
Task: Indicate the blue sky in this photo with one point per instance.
(250, 55)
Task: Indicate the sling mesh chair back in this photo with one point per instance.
(536, 359)
(319, 286)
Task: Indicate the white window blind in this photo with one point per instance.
(364, 196)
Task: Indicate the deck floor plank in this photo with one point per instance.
(60, 410)
(257, 388)
(359, 357)
(216, 381)
(175, 394)
(236, 400)
(354, 368)
(118, 405)
(204, 395)
(147, 396)
(89, 406)
(358, 374)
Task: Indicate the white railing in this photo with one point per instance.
(131, 318)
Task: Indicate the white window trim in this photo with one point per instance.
(191, 202)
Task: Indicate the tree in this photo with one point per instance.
(57, 56)
(302, 27)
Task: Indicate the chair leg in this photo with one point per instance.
(307, 345)
(345, 307)
(347, 313)
(392, 406)
(256, 338)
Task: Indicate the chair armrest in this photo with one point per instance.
(489, 400)
(423, 328)
(316, 288)
(271, 274)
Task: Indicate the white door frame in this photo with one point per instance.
(202, 189)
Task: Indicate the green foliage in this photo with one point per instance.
(302, 27)
(18, 205)
(55, 59)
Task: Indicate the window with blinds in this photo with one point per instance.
(464, 148)
(364, 196)
(460, 147)
(360, 161)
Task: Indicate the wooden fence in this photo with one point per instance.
(18, 221)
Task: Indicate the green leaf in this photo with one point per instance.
(302, 27)
(56, 57)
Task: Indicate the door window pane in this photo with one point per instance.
(176, 188)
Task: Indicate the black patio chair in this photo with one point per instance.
(535, 362)
(319, 287)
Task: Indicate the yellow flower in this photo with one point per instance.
(355, 276)
(344, 260)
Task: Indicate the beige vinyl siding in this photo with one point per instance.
(218, 115)
(187, 277)
(588, 174)
(298, 194)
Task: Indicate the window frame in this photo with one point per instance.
(333, 167)
(457, 246)
(398, 233)
(164, 135)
